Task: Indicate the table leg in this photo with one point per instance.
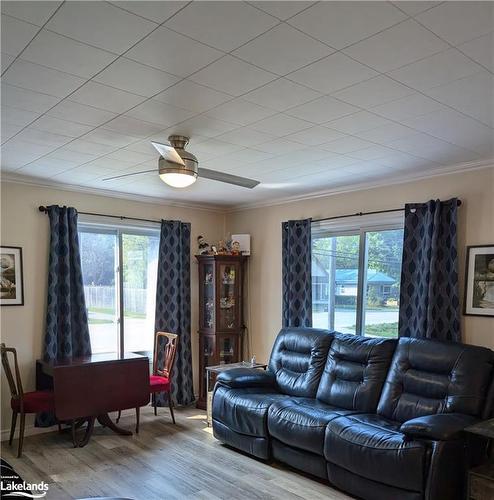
(79, 443)
(105, 420)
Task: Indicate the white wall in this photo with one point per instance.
(476, 227)
(23, 225)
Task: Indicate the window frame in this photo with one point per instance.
(359, 226)
(102, 225)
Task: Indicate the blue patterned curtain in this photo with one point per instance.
(173, 306)
(67, 332)
(297, 278)
(429, 303)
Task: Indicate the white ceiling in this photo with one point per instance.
(303, 96)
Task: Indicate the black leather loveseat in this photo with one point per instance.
(379, 418)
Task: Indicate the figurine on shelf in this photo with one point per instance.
(204, 248)
(222, 249)
(214, 250)
(209, 313)
(208, 278)
(236, 248)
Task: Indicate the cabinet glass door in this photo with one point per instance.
(227, 305)
(207, 313)
(228, 349)
(207, 348)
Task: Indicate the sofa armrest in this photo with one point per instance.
(440, 427)
(246, 377)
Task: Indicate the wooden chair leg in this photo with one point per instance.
(138, 412)
(155, 404)
(12, 426)
(170, 405)
(118, 416)
(21, 434)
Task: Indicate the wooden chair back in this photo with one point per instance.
(13, 378)
(168, 342)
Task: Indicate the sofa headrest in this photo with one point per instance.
(298, 358)
(428, 377)
(355, 371)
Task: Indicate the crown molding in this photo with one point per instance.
(229, 209)
(391, 181)
(30, 181)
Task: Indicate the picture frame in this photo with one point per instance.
(11, 276)
(479, 281)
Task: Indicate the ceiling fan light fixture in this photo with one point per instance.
(180, 171)
(178, 179)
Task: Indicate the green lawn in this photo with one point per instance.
(103, 310)
(388, 330)
(318, 308)
(93, 321)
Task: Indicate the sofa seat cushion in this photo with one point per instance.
(244, 410)
(373, 447)
(301, 422)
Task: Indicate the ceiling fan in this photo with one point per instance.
(179, 168)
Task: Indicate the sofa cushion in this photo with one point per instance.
(428, 377)
(244, 410)
(355, 372)
(373, 447)
(301, 422)
(298, 358)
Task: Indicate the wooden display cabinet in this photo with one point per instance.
(221, 323)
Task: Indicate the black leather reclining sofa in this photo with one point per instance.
(379, 418)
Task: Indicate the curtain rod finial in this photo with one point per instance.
(41, 208)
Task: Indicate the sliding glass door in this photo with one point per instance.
(99, 258)
(139, 266)
(119, 267)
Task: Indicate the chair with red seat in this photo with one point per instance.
(22, 402)
(160, 380)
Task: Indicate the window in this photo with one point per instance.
(356, 277)
(119, 269)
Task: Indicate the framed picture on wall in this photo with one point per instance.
(11, 278)
(479, 281)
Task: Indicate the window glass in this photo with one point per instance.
(382, 278)
(354, 293)
(335, 273)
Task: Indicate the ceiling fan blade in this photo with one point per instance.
(168, 153)
(228, 178)
(133, 173)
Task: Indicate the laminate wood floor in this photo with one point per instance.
(163, 462)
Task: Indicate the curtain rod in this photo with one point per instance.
(359, 214)
(43, 209)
